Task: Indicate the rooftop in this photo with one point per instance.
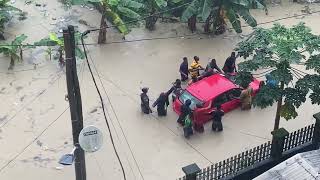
(301, 166)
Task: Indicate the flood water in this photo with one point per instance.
(35, 126)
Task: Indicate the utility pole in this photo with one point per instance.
(74, 98)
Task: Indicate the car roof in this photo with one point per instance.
(210, 87)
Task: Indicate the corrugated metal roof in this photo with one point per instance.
(303, 166)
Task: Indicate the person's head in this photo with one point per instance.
(213, 61)
(196, 58)
(162, 94)
(185, 59)
(218, 107)
(233, 54)
(145, 90)
(188, 102)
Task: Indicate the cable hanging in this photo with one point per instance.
(102, 104)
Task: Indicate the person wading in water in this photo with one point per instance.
(162, 103)
(184, 71)
(145, 108)
(185, 111)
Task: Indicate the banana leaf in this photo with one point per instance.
(245, 14)
(117, 21)
(131, 4)
(18, 40)
(45, 42)
(128, 13)
(112, 2)
(245, 3)
(161, 3)
(191, 10)
(55, 38)
(232, 16)
(206, 10)
(79, 53)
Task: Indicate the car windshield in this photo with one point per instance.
(194, 101)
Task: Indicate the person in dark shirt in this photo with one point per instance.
(230, 64)
(176, 89)
(184, 71)
(185, 110)
(145, 108)
(162, 103)
(217, 117)
(213, 65)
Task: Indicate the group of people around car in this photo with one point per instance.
(185, 117)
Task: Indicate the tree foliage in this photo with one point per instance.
(229, 9)
(6, 14)
(278, 49)
(13, 50)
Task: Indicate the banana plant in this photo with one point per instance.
(152, 7)
(56, 44)
(117, 11)
(13, 50)
(6, 14)
(216, 12)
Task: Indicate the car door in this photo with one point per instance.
(234, 99)
(202, 114)
(228, 100)
(222, 100)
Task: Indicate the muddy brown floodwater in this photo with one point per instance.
(35, 122)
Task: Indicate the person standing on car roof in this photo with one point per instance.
(184, 71)
(162, 103)
(184, 112)
(230, 64)
(217, 117)
(145, 108)
(195, 67)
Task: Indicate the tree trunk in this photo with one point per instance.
(151, 20)
(219, 25)
(21, 53)
(103, 31)
(207, 25)
(192, 21)
(277, 119)
(11, 63)
(2, 36)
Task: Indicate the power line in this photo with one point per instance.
(117, 119)
(26, 147)
(30, 102)
(102, 104)
(163, 38)
(142, 19)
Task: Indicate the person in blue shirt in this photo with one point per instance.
(270, 81)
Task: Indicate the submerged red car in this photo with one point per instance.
(209, 92)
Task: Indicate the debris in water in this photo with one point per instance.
(39, 143)
(28, 2)
(37, 4)
(59, 168)
(94, 110)
(18, 88)
(3, 118)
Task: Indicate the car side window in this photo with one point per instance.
(221, 99)
(234, 93)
